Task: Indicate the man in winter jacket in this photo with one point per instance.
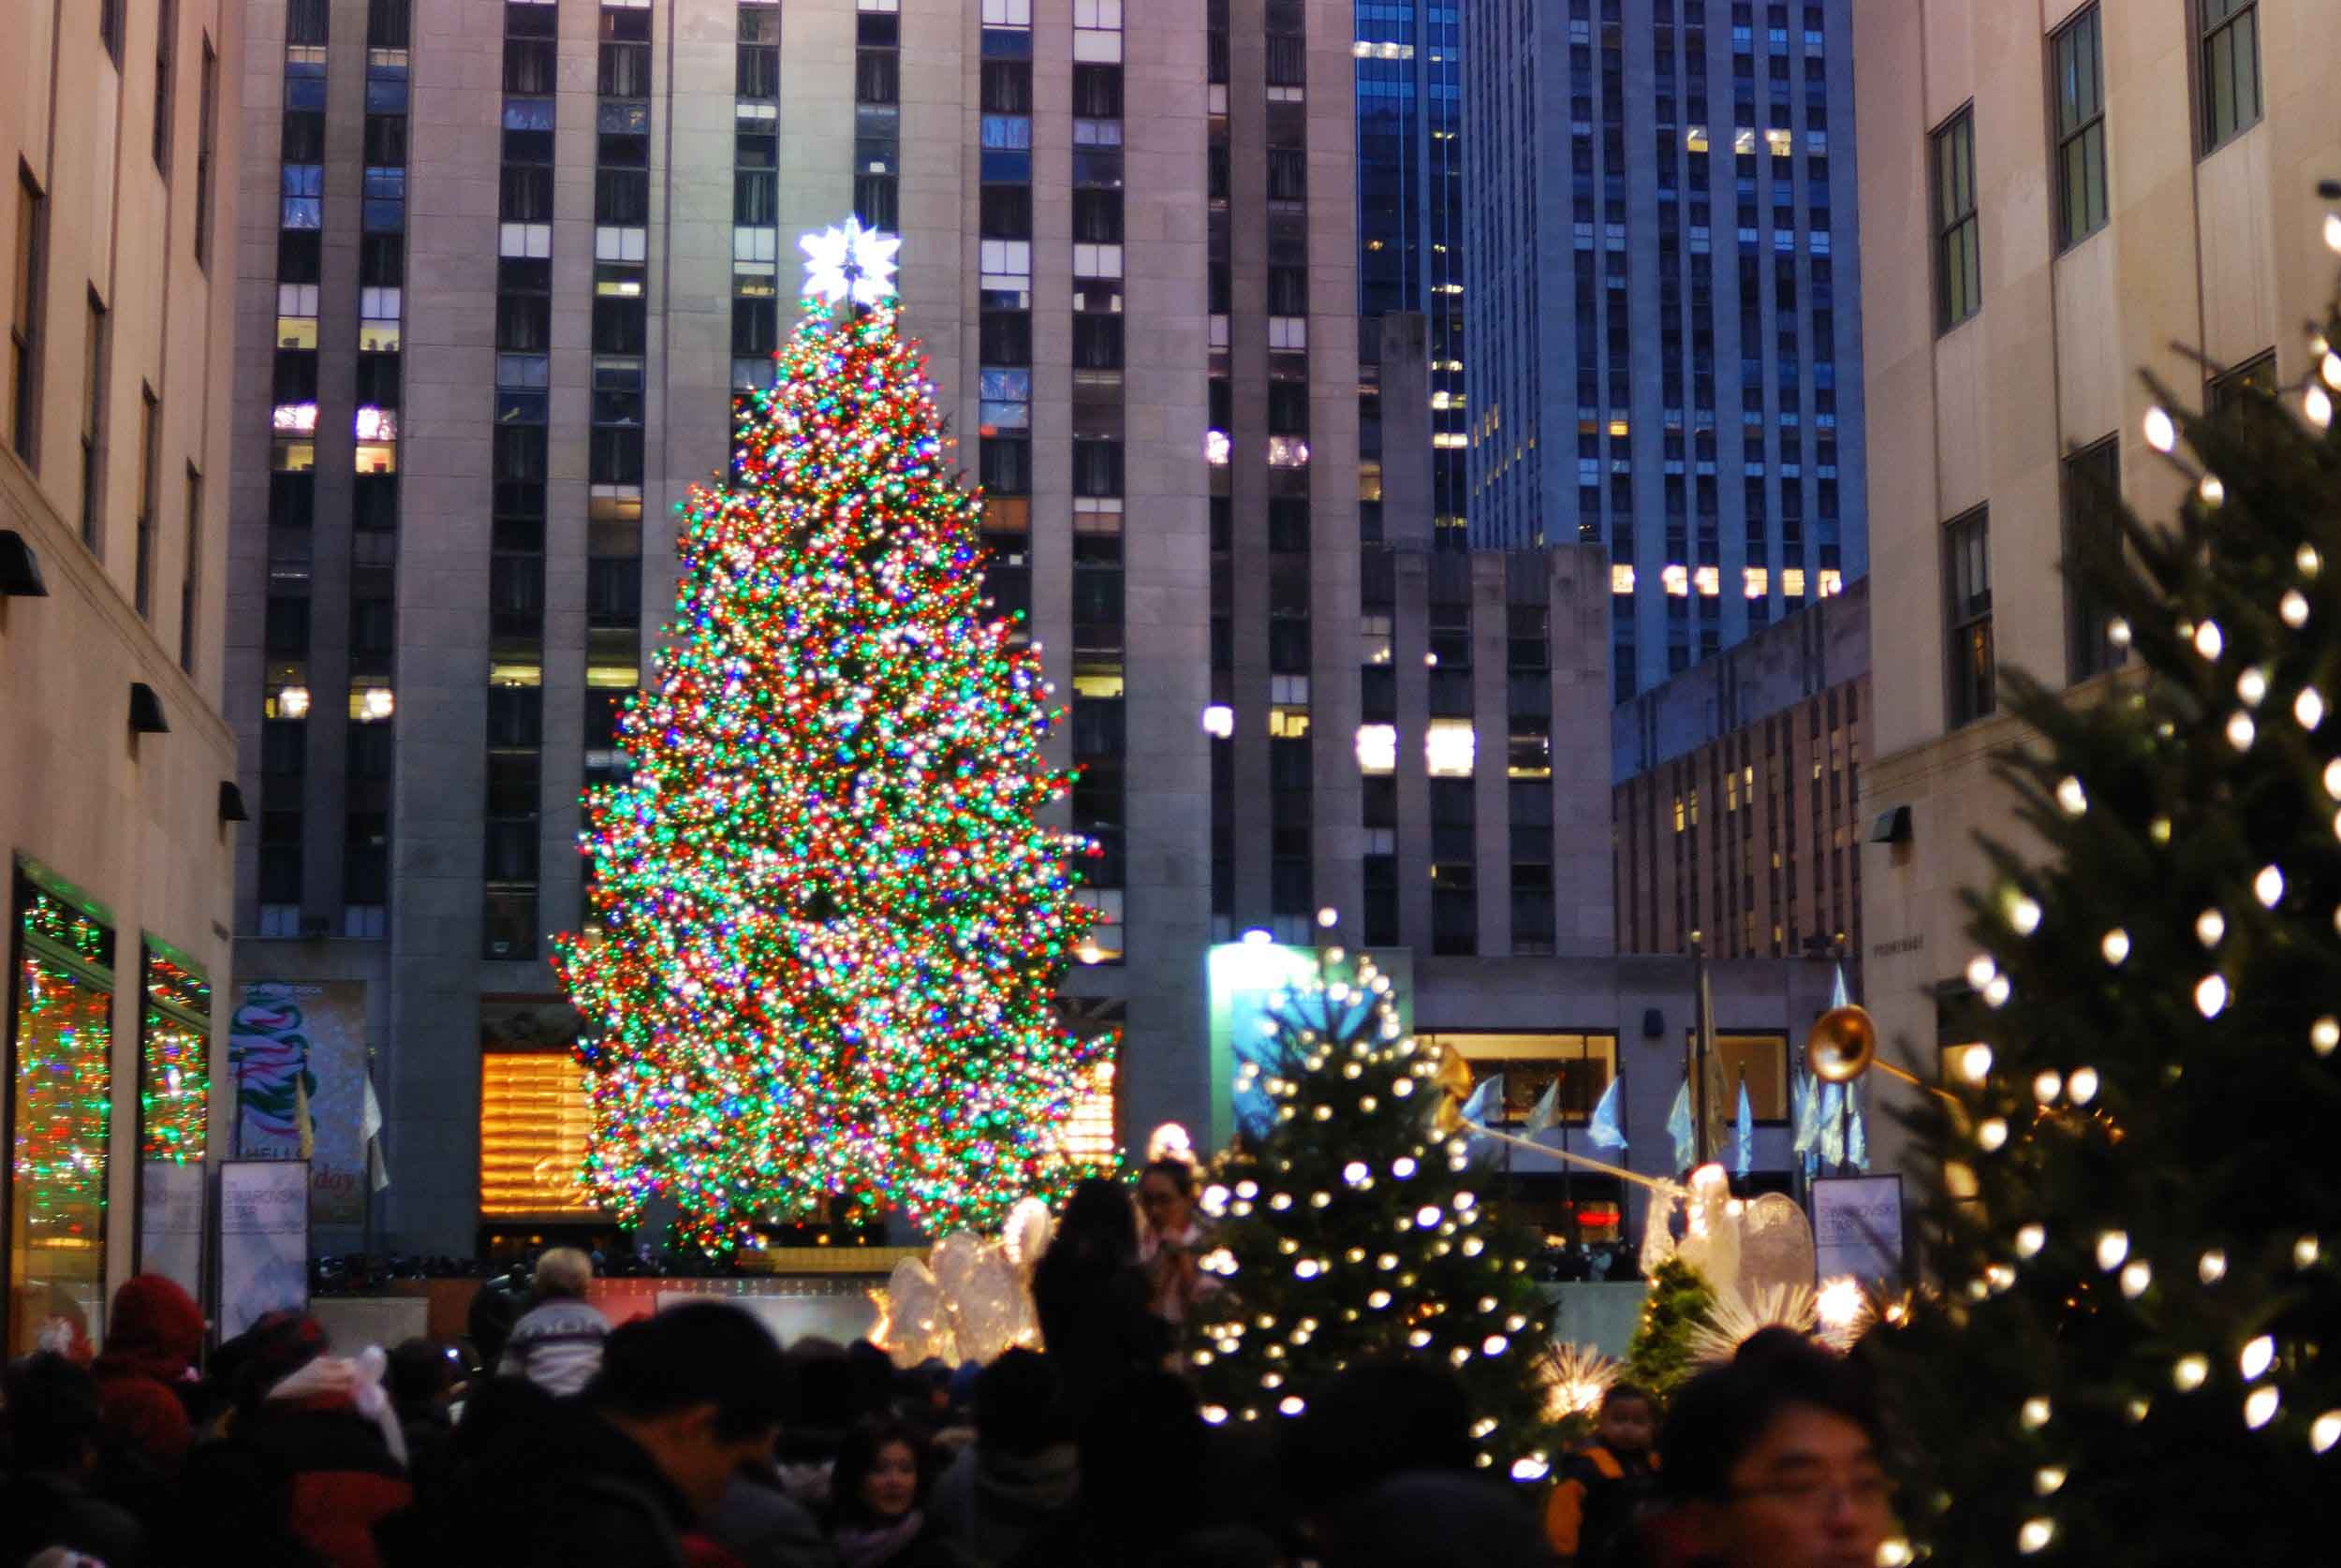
(557, 1344)
(153, 1337)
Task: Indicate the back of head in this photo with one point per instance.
(53, 1420)
(1431, 1520)
(155, 1322)
(279, 1344)
(419, 1371)
(1373, 1421)
(501, 1408)
(706, 1353)
(488, 1322)
(1718, 1417)
(1016, 1403)
(1099, 1225)
(562, 1275)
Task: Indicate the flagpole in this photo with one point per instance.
(1699, 1129)
(1586, 1160)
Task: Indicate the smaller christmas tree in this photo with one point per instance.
(1660, 1357)
(1353, 1230)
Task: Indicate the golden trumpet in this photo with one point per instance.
(1842, 1045)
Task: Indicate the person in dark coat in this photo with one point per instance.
(1604, 1486)
(1021, 1473)
(877, 1496)
(327, 1425)
(53, 1422)
(1093, 1300)
(682, 1402)
(147, 1371)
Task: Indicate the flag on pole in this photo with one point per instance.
(303, 1127)
(1716, 1106)
(1744, 1132)
(1487, 1099)
(1548, 1108)
(1838, 995)
(1807, 1120)
(1608, 1130)
(1679, 1128)
(1832, 1141)
(370, 1133)
(1857, 1142)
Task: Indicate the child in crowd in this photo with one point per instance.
(1603, 1485)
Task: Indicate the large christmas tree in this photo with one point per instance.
(831, 928)
(1354, 1227)
(2130, 1358)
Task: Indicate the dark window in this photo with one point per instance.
(1005, 337)
(1287, 60)
(515, 717)
(755, 197)
(523, 323)
(625, 68)
(1007, 211)
(109, 27)
(1454, 911)
(1287, 408)
(877, 202)
(2229, 70)
(1005, 466)
(1097, 468)
(2077, 60)
(304, 21)
(1288, 174)
(877, 76)
(759, 74)
(622, 196)
(1097, 217)
(166, 76)
(1007, 86)
(24, 315)
(529, 66)
(1096, 341)
(619, 325)
(614, 456)
(755, 328)
(1097, 92)
(1287, 291)
(2257, 373)
(1958, 246)
(526, 194)
(2092, 504)
(386, 140)
(1967, 616)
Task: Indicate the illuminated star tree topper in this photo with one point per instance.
(827, 927)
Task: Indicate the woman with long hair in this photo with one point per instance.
(1091, 1299)
(877, 1501)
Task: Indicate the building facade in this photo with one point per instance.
(1737, 801)
(1409, 149)
(1604, 297)
(117, 802)
(2054, 198)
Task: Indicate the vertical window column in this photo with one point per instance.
(1099, 737)
(374, 514)
(516, 580)
(1219, 720)
(1291, 756)
(285, 696)
(878, 114)
(1004, 330)
(615, 450)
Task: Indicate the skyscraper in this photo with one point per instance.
(1604, 142)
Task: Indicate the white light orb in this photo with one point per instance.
(2161, 431)
(2035, 1535)
(2112, 1246)
(2209, 641)
(2116, 947)
(2188, 1371)
(2030, 1239)
(2211, 995)
(2071, 798)
(2260, 1404)
(2080, 1085)
(2211, 1267)
(2268, 887)
(2257, 1358)
(2210, 926)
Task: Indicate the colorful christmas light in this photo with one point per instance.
(829, 928)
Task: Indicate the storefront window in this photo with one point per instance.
(63, 1085)
(535, 1116)
(174, 1057)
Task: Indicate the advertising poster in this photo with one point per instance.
(1857, 1227)
(170, 1222)
(296, 1047)
(263, 1241)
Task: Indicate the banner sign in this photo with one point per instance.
(1857, 1227)
(171, 1222)
(263, 1241)
(295, 1045)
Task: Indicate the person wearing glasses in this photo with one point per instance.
(1775, 1461)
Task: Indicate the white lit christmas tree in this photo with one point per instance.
(2131, 1357)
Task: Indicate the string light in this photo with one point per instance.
(2035, 1535)
(2211, 995)
(2189, 1373)
(2071, 798)
(2305, 1252)
(2326, 1430)
(2309, 709)
(2112, 1246)
(2030, 1238)
(2257, 1358)
(2211, 1267)
(2082, 1086)
(2261, 1406)
(2162, 433)
(2294, 609)
(2116, 947)
(2324, 1035)
(2034, 1414)
(2268, 887)
(2209, 642)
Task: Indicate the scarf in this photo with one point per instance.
(870, 1549)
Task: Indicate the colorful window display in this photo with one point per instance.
(174, 1061)
(63, 1078)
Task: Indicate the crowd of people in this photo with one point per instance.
(692, 1437)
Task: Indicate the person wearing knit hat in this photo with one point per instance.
(153, 1337)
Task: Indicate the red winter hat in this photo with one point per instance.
(155, 1326)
